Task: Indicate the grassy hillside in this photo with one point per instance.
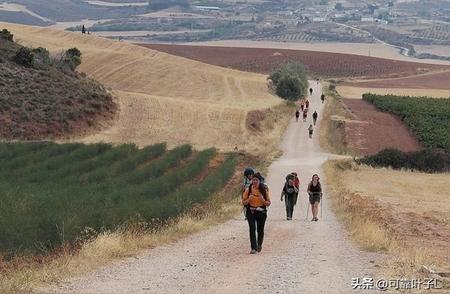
(40, 100)
(163, 97)
(54, 194)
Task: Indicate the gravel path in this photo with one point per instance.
(298, 256)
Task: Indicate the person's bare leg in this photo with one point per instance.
(316, 209)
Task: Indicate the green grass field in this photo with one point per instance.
(428, 118)
(50, 193)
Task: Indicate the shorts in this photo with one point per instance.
(314, 198)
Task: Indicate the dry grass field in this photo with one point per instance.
(357, 92)
(405, 213)
(163, 97)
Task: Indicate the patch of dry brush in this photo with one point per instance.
(43, 102)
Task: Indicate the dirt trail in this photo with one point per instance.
(298, 256)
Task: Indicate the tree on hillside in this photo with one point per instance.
(289, 81)
(6, 35)
(288, 87)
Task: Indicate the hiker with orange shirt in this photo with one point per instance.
(256, 198)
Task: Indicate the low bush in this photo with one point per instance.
(24, 57)
(428, 160)
(6, 35)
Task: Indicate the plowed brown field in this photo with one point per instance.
(440, 80)
(372, 130)
(265, 60)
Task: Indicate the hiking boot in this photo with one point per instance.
(253, 251)
(259, 248)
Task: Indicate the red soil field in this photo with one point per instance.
(427, 81)
(319, 63)
(372, 130)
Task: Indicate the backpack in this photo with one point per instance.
(293, 177)
(296, 180)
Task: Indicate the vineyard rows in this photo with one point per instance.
(427, 117)
(294, 37)
(439, 32)
(50, 193)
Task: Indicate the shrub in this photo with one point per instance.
(69, 60)
(6, 35)
(290, 81)
(41, 56)
(24, 56)
(428, 160)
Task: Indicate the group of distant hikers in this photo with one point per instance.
(255, 192)
(256, 199)
(304, 107)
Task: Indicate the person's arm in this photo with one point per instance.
(245, 197)
(267, 200)
(283, 193)
(309, 189)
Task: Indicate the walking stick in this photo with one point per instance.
(321, 201)
(307, 210)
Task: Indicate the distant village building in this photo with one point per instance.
(285, 13)
(382, 21)
(367, 19)
(207, 8)
(319, 19)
